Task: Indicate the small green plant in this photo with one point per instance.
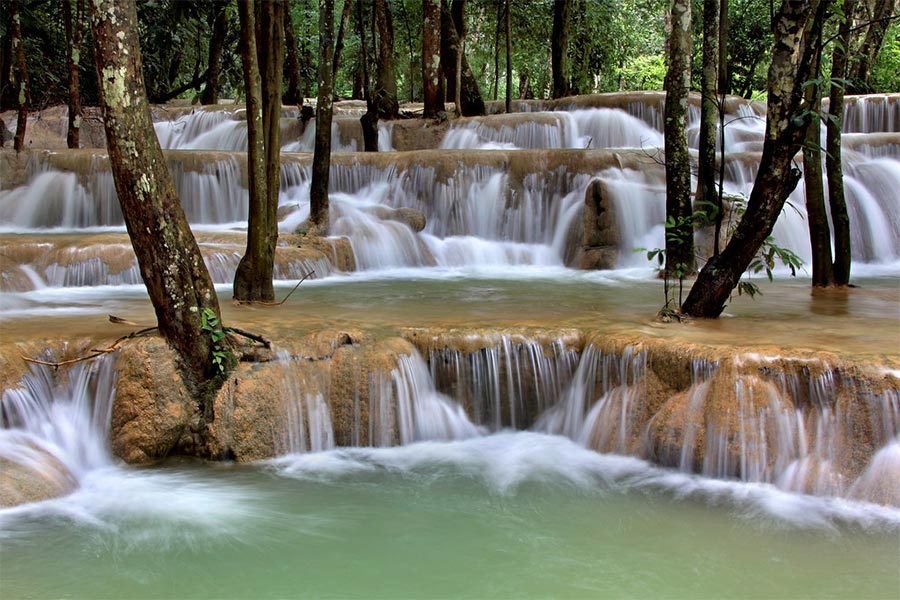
(209, 323)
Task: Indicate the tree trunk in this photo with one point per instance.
(177, 280)
(431, 58)
(216, 45)
(776, 179)
(318, 191)
(385, 73)
(508, 61)
(22, 90)
(838, 203)
(292, 95)
(706, 196)
(73, 24)
(559, 47)
(339, 44)
(879, 19)
(470, 96)
(263, 61)
(369, 121)
(816, 216)
(680, 234)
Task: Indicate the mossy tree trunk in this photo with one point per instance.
(176, 278)
(431, 58)
(73, 24)
(787, 118)
(385, 70)
(706, 196)
(878, 15)
(219, 23)
(680, 235)
(318, 191)
(263, 60)
(840, 218)
(559, 48)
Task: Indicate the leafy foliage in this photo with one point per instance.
(209, 324)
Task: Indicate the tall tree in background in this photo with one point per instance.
(73, 26)
(508, 60)
(219, 21)
(707, 195)
(176, 278)
(878, 15)
(787, 118)
(452, 53)
(385, 72)
(318, 190)
(369, 120)
(840, 218)
(263, 61)
(679, 224)
(431, 58)
(22, 91)
(339, 44)
(559, 48)
(292, 95)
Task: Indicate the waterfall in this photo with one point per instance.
(305, 389)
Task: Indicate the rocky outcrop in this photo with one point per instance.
(601, 239)
(36, 475)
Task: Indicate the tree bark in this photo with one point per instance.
(23, 93)
(776, 178)
(559, 48)
(385, 72)
(470, 97)
(871, 45)
(292, 95)
(216, 45)
(176, 278)
(318, 191)
(369, 120)
(816, 216)
(73, 25)
(838, 203)
(679, 236)
(706, 196)
(339, 44)
(263, 61)
(431, 58)
(508, 61)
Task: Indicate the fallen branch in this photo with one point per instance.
(95, 351)
(253, 336)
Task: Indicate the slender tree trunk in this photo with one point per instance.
(776, 177)
(495, 87)
(385, 72)
(177, 280)
(263, 60)
(431, 58)
(680, 235)
(318, 191)
(73, 24)
(838, 203)
(559, 48)
(458, 8)
(451, 53)
(508, 61)
(22, 90)
(871, 45)
(723, 95)
(339, 44)
(292, 95)
(216, 46)
(369, 121)
(817, 217)
(707, 196)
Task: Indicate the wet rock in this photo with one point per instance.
(601, 239)
(36, 475)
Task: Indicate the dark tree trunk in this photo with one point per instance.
(879, 20)
(559, 48)
(508, 60)
(318, 191)
(431, 58)
(263, 60)
(216, 45)
(707, 197)
(339, 44)
(73, 24)
(369, 121)
(292, 95)
(680, 235)
(22, 90)
(385, 73)
(817, 217)
(177, 280)
(838, 203)
(776, 178)
(470, 96)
